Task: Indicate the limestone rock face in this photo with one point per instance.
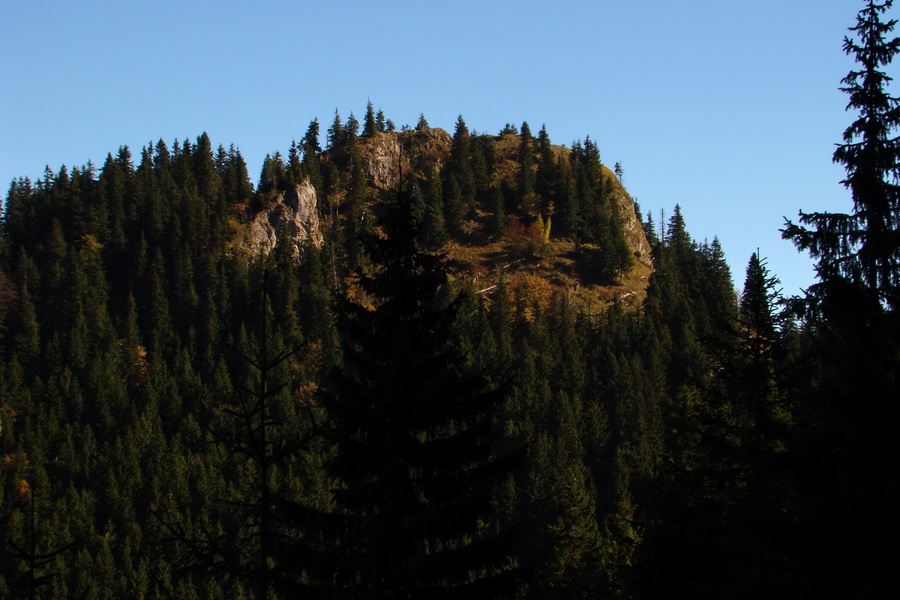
(414, 152)
(291, 214)
(381, 160)
(631, 224)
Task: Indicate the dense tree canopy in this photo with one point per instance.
(471, 381)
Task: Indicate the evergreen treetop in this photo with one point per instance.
(415, 435)
(862, 248)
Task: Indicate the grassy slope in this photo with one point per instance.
(560, 268)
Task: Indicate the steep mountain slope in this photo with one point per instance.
(530, 250)
(149, 384)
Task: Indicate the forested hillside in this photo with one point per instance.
(407, 363)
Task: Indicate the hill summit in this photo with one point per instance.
(510, 206)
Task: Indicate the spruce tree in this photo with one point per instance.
(433, 231)
(459, 167)
(414, 435)
(294, 166)
(862, 248)
(454, 204)
(482, 159)
(335, 132)
(528, 203)
(496, 225)
(260, 428)
(854, 310)
(547, 177)
(351, 129)
(370, 124)
(311, 151)
(356, 217)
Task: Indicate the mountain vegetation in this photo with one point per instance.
(419, 364)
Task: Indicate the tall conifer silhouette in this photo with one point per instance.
(414, 435)
(851, 488)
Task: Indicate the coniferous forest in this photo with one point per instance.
(414, 364)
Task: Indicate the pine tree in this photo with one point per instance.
(459, 167)
(258, 427)
(273, 175)
(351, 129)
(433, 231)
(310, 140)
(123, 159)
(235, 178)
(356, 217)
(728, 492)
(295, 167)
(650, 231)
(528, 204)
(311, 151)
(759, 377)
(862, 248)
(496, 225)
(335, 132)
(414, 436)
(370, 124)
(759, 310)
(482, 162)
(853, 309)
(454, 204)
(547, 176)
(209, 186)
(564, 502)
(112, 194)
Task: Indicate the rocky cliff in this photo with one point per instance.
(412, 152)
(634, 229)
(290, 214)
(386, 156)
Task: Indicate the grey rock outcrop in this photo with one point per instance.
(387, 155)
(292, 213)
(631, 224)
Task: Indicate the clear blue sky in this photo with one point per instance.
(730, 109)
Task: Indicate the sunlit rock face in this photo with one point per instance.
(389, 156)
(291, 214)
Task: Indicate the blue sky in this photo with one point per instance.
(729, 109)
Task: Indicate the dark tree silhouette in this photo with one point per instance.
(851, 488)
(415, 436)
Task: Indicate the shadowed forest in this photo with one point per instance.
(414, 364)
